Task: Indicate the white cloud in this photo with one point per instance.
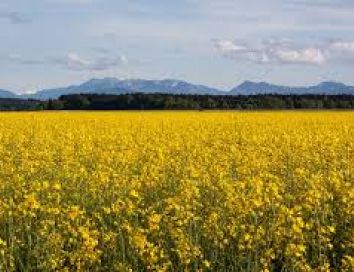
(227, 46)
(346, 46)
(74, 62)
(311, 55)
(236, 50)
(341, 51)
(272, 51)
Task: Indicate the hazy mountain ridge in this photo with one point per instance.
(116, 86)
(327, 87)
(171, 86)
(7, 94)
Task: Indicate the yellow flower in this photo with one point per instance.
(74, 212)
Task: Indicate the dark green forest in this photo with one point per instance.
(139, 101)
(14, 104)
(159, 101)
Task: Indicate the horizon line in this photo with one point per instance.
(174, 79)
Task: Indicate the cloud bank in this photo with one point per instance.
(287, 52)
(73, 61)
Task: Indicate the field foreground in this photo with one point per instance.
(177, 191)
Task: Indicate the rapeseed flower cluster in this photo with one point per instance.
(177, 191)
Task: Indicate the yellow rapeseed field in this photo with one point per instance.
(177, 191)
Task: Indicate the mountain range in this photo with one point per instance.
(327, 87)
(7, 94)
(170, 86)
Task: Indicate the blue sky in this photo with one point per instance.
(51, 43)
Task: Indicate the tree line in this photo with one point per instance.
(140, 101)
(15, 104)
(159, 101)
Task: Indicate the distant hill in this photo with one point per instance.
(170, 86)
(99, 86)
(116, 86)
(328, 88)
(7, 94)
